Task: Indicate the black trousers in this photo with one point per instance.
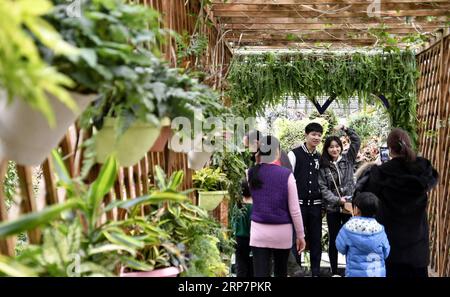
(335, 221)
(244, 263)
(312, 223)
(262, 261)
(405, 270)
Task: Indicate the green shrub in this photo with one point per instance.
(210, 179)
(292, 133)
(370, 123)
(329, 116)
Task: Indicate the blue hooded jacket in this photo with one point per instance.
(364, 243)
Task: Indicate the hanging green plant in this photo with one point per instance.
(259, 81)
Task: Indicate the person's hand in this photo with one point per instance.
(342, 201)
(301, 245)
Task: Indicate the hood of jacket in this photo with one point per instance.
(411, 177)
(365, 233)
(406, 184)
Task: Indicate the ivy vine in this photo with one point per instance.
(264, 80)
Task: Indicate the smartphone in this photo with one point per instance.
(384, 154)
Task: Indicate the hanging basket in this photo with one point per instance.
(25, 135)
(210, 200)
(163, 272)
(130, 147)
(164, 136)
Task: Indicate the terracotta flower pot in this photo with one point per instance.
(162, 272)
(210, 200)
(25, 135)
(130, 147)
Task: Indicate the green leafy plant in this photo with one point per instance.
(292, 133)
(23, 73)
(10, 183)
(233, 164)
(159, 249)
(210, 179)
(329, 116)
(120, 60)
(74, 244)
(370, 123)
(186, 236)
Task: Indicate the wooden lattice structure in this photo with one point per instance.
(183, 16)
(132, 181)
(300, 24)
(434, 142)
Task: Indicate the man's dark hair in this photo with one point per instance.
(367, 203)
(313, 127)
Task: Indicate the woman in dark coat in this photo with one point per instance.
(402, 184)
(336, 174)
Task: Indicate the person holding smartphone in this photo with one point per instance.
(402, 185)
(337, 185)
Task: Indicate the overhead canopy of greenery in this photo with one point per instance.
(262, 80)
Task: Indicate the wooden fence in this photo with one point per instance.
(178, 15)
(434, 134)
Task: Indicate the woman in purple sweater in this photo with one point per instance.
(275, 212)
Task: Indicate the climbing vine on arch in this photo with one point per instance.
(261, 80)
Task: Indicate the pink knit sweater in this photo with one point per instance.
(279, 236)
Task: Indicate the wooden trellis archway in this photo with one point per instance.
(434, 143)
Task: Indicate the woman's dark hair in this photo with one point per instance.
(245, 188)
(313, 127)
(269, 146)
(325, 159)
(399, 142)
(367, 203)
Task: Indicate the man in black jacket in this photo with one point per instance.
(305, 163)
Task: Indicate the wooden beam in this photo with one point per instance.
(311, 14)
(298, 2)
(289, 44)
(439, 21)
(336, 8)
(298, 35)
(323, 26)
(51, 196)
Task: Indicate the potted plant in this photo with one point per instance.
(74, 243)
(32, 93)
(120, 59)
(189, 243)
(161, 255)
(205, 243)
(212, 185)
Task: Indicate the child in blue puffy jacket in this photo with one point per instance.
(363, 240)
